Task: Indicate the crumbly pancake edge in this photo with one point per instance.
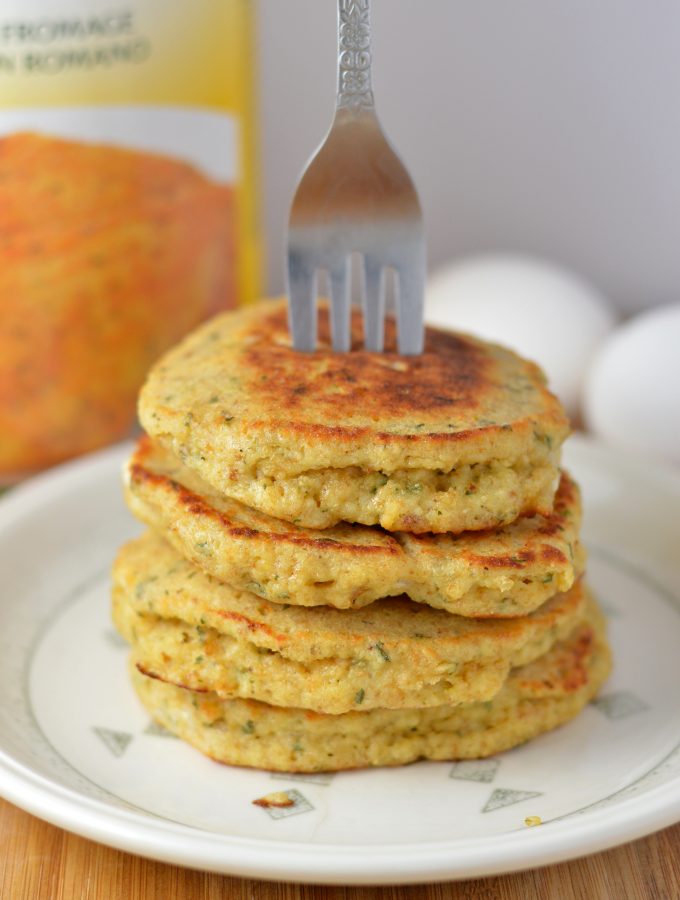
(190, 406)
(510, 572)
(251, 734)
(396, 654)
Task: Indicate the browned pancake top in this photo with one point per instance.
(452, 375)
(240, 370)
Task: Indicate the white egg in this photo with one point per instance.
(632, 393)
(543, 312)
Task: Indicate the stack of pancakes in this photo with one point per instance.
(353, 559)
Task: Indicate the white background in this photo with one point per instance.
(538, 126)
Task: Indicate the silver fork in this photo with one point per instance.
(355, 196)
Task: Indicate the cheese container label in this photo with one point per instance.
(127, 205)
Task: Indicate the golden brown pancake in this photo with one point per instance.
(509, 571)
(464, 436)
(536, 698)
(188, 628)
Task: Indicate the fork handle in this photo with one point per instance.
(354, 56)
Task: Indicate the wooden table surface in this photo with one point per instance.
(41, 862)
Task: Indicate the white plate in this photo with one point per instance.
(78, 750)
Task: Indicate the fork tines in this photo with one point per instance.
(408, 280)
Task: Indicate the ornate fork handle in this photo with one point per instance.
(354, 55)
(356, 197)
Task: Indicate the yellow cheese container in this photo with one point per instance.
(127, 205)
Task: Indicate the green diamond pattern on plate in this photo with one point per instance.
(115, 640)
(115, 741)
(157, 730)
(620, 705)
(503, 797)
(610, 611)
(483, 770)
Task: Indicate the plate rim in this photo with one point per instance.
(252, 857)
(331, 863)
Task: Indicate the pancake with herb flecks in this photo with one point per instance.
(190, 629)
(509, 571)
(535, 698)
(463, 437)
